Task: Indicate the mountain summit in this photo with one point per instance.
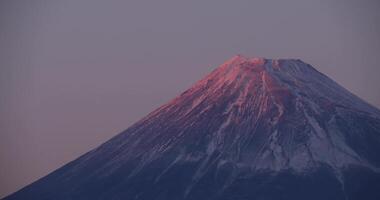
(253, 128)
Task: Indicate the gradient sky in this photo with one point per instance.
(74, 73)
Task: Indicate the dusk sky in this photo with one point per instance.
(75, 73)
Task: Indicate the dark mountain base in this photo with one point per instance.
(217, 184)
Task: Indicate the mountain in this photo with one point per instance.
(254, 128)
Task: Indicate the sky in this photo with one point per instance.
(75, 73)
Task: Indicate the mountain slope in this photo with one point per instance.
(253, 128)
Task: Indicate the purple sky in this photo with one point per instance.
(74, 73)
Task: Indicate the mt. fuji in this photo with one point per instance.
(254, 128)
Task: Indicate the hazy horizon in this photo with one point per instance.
(75, 73)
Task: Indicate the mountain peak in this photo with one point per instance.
(254, 59)
(260, 63)
(282, 79)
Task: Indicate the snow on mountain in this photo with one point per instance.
(254, 128)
